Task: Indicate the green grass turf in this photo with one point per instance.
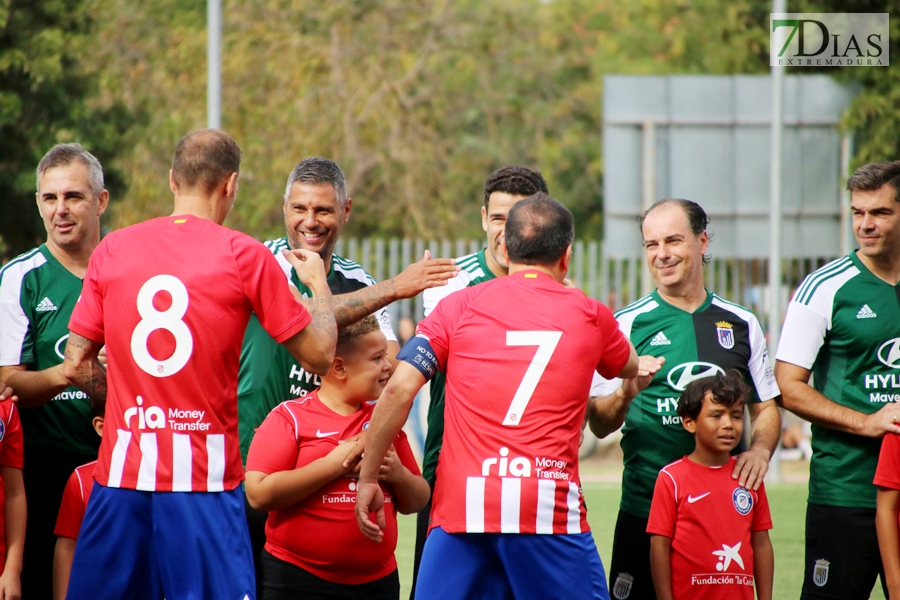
(787, 503)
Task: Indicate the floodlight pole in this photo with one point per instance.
(214, 64)
(775, 275)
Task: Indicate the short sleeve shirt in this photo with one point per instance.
(74, 501)
(171, 298)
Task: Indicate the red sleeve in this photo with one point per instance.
(405, 453)
(87, 317)
(887, 474)
(618, 349)
(663, 512)
(762, 520)
(274, 447)
(11, 452)
(440, 324)
(71, 511)
(263, 280)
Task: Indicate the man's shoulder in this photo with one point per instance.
(277, 245)
(825, 282)
(472, 272)
(741, 312)
(350, 271)
(17, 268)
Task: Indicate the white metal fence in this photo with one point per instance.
(612, 280)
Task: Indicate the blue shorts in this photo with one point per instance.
(137, 545)
(469, 566)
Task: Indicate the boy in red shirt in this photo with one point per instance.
(295, 471)
(71, 511)
(709, 536)
(12, 497)
(887, 511)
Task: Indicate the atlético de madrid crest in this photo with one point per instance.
(820, 572)
(622, 586)
(725, 333)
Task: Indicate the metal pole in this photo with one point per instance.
(214, 64)
(846, 230)
(778, 6)
(648, 185)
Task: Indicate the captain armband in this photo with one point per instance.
(419, 353)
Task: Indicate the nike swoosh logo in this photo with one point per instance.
(692, 499)
(321, 434)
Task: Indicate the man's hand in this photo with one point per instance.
(308, 265)
(427, 273)
(884, 420)
(369, 499)
(648, 366)
(101, 357)
(751, 468)
(353, 457)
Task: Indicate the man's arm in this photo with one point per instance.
(313, 346)
(417, 277)
(752, 465)
(605, 414)
(387, 420)
(82, 367)
(34, 388)
(801, 399)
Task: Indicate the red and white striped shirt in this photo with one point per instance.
(171, 298)
(518, 373)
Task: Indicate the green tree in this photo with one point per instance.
(48, 95)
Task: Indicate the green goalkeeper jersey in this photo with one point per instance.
(37, 296)
(843, 324)
(268, 373)
(715, 338)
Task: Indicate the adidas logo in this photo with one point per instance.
(45, 305)
(660, 339)
(866, 313)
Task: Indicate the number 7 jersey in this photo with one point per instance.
(519, 353)
(171, 298)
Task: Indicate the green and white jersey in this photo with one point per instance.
(715, 338)
(474, 270)
(37, 296)
(843, 324)
(268, 373)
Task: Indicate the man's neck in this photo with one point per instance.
(75, 261)
(202, 207)
(885, 270)
(552, 271)
(494, 266)
(687, 300)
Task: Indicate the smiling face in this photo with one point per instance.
(717, 429)
(493, 221)
(674, 253)
(314, 219)
(70, 212)
(876, 224)
(366, 366)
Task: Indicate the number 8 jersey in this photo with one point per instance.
(519, 353)
(171, 298)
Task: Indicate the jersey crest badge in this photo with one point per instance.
(725, 333)
(742, 499)
(820, 572)
(2, 430)
(622, 586)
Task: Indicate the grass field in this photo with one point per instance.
(787, 503)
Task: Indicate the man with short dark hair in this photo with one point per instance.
(171, 298)
(38, 291)
(696, 334)
(843, 327)
(517, 375)
(502, 189)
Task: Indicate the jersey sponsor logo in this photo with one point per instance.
(889, 353)
(308, 381)
(70, 395)
(518, 466)
(152, 417)
(45, 305)
(323, 434)
(725, 334)
(742, 500)
(866, 313)
(680, 376)
(61, 346)
(622, 586)
(727, 555)
(660, 339)
(820, 572)
(692, 499)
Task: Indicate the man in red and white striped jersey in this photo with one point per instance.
(171, 298)
(519, 353)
